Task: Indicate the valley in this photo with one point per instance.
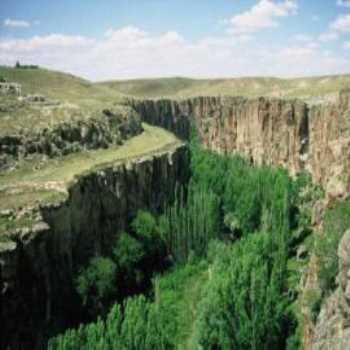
(161, 214)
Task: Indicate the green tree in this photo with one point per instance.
(244, 305)
(128, 252)
(96, 284)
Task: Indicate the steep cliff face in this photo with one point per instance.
(37, 265)
(267, 131)
(332, 330)
(329, 151)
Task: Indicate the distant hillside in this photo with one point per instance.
(67, 87)
(57, 85)
(314, 88)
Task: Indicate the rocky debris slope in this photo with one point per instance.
(332, 329)
(37, 264)
(112, 126)
(274, 132)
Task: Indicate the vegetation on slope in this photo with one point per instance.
(59, 86)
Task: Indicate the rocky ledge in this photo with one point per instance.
(111, 127)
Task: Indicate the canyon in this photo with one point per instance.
(38, 263)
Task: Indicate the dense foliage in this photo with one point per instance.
(128, 269)
(240, 221)
(188, 226)
(139, 323)
(336, 222)
(245, 304)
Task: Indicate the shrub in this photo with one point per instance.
(145, 225)
(128, 252)
(96, 284)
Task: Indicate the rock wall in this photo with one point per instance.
(274, 132)
(37, 265)
(111, 127)
(332, 330)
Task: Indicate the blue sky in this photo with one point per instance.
(200, 38)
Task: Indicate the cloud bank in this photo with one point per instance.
(131, 52)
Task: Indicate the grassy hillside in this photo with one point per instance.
(68, 98)
(313, 88)
(66, 87)
(56, 173)
(61, 86)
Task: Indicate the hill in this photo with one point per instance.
(61, 86)
(309, 88)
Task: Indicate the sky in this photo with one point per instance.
(126, 39)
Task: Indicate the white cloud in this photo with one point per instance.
(303, 37)
(308, 41)
(45, 42)
(262, 15)
(131, 52)
(341, 24)
(345, 3)
(346, 45)
(328, 36)
(16, 23)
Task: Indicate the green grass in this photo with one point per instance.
(33, 180)
(66, 87)
(7, 225)
(28, 197)
(307, 88)
(61, 86)
(17, 117)
(71, 98)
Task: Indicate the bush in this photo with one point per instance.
(145, 225)
(128, 252)
(96, 284)
(25, 66)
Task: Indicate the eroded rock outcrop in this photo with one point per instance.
(111, 127)
(37, 264)
(267, 131)
(332, 329)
